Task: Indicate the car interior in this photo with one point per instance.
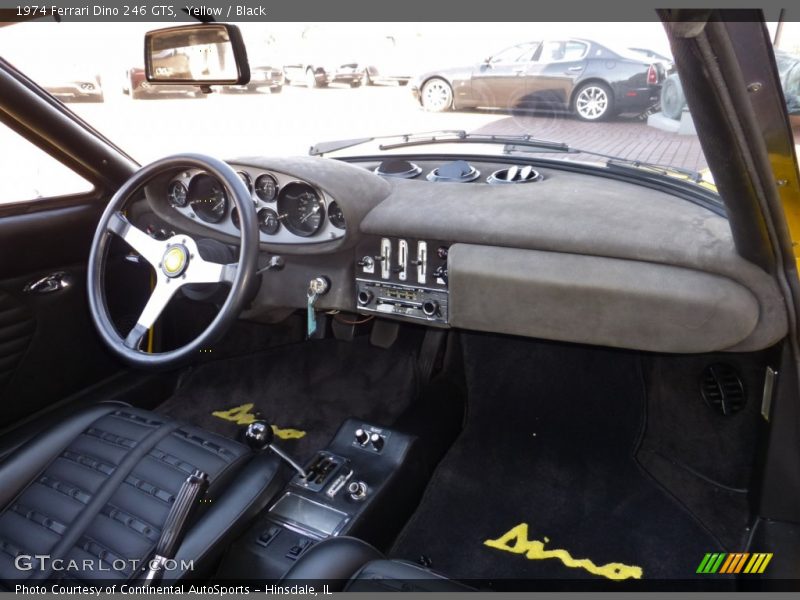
(379, 371)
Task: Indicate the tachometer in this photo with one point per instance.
(266, 188)
(176, 194)
(268, 221)
(301, 209)
(207, 198)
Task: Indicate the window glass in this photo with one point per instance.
(28, 173)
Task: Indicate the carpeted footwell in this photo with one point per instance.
(549, 443)
(310, 387)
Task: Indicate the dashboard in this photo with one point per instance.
(502, 244)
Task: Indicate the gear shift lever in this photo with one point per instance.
(259, 436)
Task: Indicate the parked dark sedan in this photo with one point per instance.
(590, 80)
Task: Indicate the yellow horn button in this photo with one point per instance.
(174, 261)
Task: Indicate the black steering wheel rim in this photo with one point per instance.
(241, 275)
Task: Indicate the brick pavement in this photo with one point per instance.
(625, 138)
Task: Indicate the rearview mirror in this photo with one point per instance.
(207, 54)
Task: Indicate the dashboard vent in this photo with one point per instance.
(398, 168)
(459, 171)
(515, 174)
(722, 388)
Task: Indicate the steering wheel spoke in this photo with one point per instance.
(156, 304)
(203, 271)
(151, 250)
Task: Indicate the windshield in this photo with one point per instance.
(593, 86)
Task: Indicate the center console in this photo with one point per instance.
(403, 279)
(364, 484)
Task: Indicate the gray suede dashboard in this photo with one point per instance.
(588, 259)
(575, 257)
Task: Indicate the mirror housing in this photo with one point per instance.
(204, 55)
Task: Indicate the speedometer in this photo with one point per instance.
(207, 198)
(301, 209)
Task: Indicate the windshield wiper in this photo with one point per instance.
(625, 163)
(461, 136)
(616, 162)
(512, 143)
(444, 136)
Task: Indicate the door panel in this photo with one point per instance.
(48, 345)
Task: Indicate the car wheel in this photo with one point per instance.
(593, 102)
(356, 83)
(672, 98)
(437, 95)
(276, 90)
(311, 79)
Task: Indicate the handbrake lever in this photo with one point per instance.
(176, 524)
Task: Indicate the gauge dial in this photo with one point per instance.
(268, 221)
(336, 216)
(301, 209)
(207, 198)
(248, 182)
(176, 194)
(266, 188)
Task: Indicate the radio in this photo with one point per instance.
(403, 279)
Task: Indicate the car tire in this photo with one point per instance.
(593, 101)
(276, 90)
(672, 99)
(355, 84)
(311, 79)
(436, 95)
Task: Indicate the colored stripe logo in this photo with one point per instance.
(734, 563)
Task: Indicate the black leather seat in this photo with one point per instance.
(93, 491)
(351, 565)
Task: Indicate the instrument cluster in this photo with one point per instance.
(289, 210)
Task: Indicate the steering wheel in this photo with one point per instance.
(177, 262)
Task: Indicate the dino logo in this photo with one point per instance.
(243, 415)
(516, 541)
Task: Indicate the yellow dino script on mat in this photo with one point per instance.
(517, 542)
(241, 415)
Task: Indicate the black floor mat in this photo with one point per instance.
(549, 442)
(310, 387)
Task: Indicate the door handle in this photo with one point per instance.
(575, 69)
(49, 284)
